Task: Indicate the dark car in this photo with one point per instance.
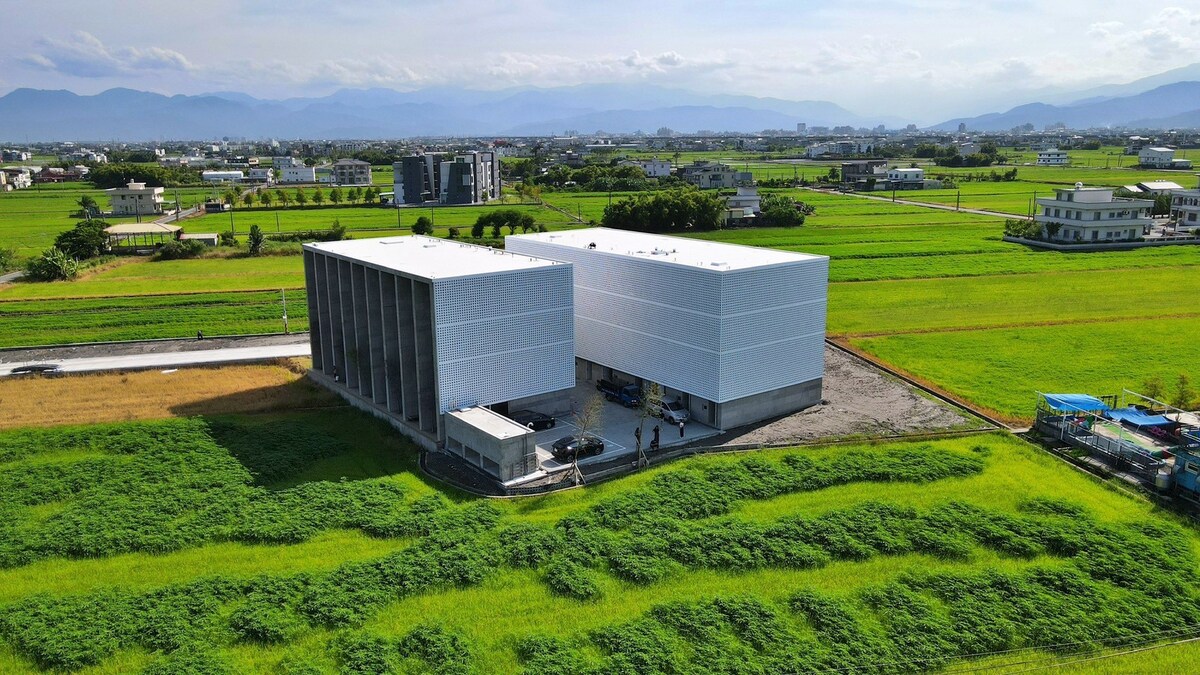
(533, 419)
(567, 446)
(36, 369)
(628, 395)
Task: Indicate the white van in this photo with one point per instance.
(671, 409)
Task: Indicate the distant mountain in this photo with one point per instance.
(125, 114)
(1164, 107)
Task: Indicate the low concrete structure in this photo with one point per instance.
(492, 442)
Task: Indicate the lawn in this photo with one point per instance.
(308, 542)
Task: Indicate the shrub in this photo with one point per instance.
(365, 654)
(52, 265)
(570, 579)
(8, 259)
(438, 649)
(190, 661)
(256, 240)
(86, 240)
(452, 233)
(228, 239)
(423, 226)
(180, 249)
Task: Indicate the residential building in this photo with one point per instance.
(15, 156)
(911, 178)
(1161, 158)
(707, 174)
(968, 148)
(1153, 188)
(467, 178)
(1185, 207)
(736, 332)
(653, 168)
(862, 172)
(264, 176)
(136, 199)
(746, 198)
(286, 162)
(1053, 157)
(15, 178)
(298, 174)
(351, 172)
(1082, 214)
(426, 332)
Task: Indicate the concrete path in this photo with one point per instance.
(11, 276)
(168, 359)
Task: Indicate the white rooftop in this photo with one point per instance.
(711, 255)
(429, 257)
(489, 422)
(1161, 185)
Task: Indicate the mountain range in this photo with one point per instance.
(126, 114)
(1166, 100)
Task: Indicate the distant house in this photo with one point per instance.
(706, 174)
(263, 176)
(911, 178)
(1085, 215)
(1185, 207)
(351, 172)
(298, 174)
(965, 149)
(864, 174)
(1154, 188)
(1161, 158)
(136, 199)
(1053, 157)
(15, 178)
(286, 162)
(746, 198)
(324, 174)
(653, 168)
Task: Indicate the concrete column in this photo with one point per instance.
(349, 339)
(362, 330)
(375, 337)
(333, 300)
(314, 312)
(408, 349)
(426, 376)
(391, 342)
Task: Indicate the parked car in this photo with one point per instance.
(566, 447)
(533, 419)
(627, 395)
(671, 409)
(36, 369)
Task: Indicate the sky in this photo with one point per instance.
(924, 60)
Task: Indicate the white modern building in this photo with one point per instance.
(746, 198)
(298, 174)
(653, 168)
(910, 178)
(1161, 158)
(136, 199)
(424, 332)
(215, 176)
(286, 162)
(1185, 207)
(1053, 157)
(736, 332)
(1087, 215)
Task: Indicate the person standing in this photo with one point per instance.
(681, 429)
(654, 441)
(637, 433)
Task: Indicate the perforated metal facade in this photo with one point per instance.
(719, 333)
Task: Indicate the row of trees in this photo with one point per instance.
(594, 178)
(285, 198)
(678, 210)
(119, 174)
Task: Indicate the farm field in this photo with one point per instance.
(288, 542)
(30, 219)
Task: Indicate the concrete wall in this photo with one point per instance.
(759, 407)
(505, 458)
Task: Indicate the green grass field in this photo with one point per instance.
(308, 542)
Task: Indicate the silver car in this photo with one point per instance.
(672, 410)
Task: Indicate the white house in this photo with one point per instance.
(1085, 215)
(736, 332)
(911, 178)
(746, 198)
(264, 175)
(15, 178)
(298, 174)
(136, 199)
(1053, 157)
(286, 162)
(653, 168)
(1161, 158)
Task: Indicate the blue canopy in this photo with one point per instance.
(1137, 418)
(1075, 402)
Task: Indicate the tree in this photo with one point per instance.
(780, 211)
(354, 194)
(370, 194)
(230, 197)
(52, 265)
(423, 226)
(477, 228)
(452, 233)
(1185, 395)
(679, 210)
(496, 230)
(1162, 205)
(282, 197)
(335, 195)
(248, 199)
(587, 420)
(265, 198)
(85, 240)
(1153, 388)
(651, 396)
(88, 205)
(256, 240)
(318, 197)
(301, 197)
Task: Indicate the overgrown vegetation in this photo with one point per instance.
(679, 210)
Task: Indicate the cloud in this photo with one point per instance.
(84, 55)
(1104, 29)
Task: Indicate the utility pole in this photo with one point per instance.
(178, 206)
(283, 294)
(957, 199)
(232, 229)
(277, 221)
(397, 214)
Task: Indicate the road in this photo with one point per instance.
(168, 359)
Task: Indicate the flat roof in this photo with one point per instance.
(142, 228)
(1162, 185)
(429, 257)
(489, 422)
(710, 255)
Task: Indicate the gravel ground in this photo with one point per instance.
(859, 399)
(50, 354)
